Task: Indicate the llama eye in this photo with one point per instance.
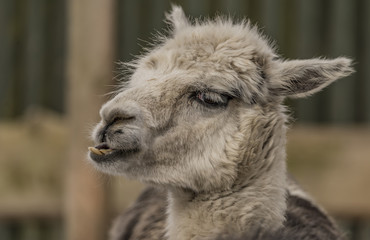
(211, 99)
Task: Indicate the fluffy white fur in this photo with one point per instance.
(224, 167)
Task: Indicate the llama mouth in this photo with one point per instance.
(103, 152)
(101, 149)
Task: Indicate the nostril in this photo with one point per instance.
(115, 120)
(103, 135)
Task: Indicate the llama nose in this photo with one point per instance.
(115, 118)
(107, 129)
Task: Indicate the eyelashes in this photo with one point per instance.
(211, 99)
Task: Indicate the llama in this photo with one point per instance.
(202, 122)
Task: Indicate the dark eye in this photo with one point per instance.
(212, 99)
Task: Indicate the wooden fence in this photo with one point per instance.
(33, 55)
(33, 47)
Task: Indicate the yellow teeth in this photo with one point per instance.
(95, 150)
(99, 151)
(105, 151)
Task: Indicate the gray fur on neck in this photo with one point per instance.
(254, 201)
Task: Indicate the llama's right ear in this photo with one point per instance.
(177, 18)
(301, 78)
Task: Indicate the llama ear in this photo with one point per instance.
(177, 18)
(301, 78)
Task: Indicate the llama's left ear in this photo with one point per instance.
(301, 78)
(177, 18)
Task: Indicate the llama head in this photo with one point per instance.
(200, 109)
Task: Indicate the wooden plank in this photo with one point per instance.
(35, 49)
(151, 17)
(270, 19)
(289, 32)
(54, 229)
(128, 29)
(54, 56)
(278, 21)
(90, 66)
(364, 58)
(5, 232)
(6, 56)
(360, 64)
(157, 15)
(308, 19)
(198, 8)
(325, 15)
(14, 62)
(288, 15)
(236, 8)
(255, 11)
(19, 63)
(30, 230)
(332, 164)
(342, 96)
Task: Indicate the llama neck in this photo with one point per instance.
(254, 201)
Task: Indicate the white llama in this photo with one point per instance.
(202, 121)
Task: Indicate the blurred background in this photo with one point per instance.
(57, 62)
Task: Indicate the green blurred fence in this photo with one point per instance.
(33, 51)
(31, 229)
(32, 55)
(33, 47)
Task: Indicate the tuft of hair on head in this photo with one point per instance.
(176, 17)
(302, 78)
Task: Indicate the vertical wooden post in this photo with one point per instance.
(6, 56)
(341, 104)
(89, 71)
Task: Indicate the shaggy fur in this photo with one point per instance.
(146, 220)
(202, 119)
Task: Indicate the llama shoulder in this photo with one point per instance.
(146, 219)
